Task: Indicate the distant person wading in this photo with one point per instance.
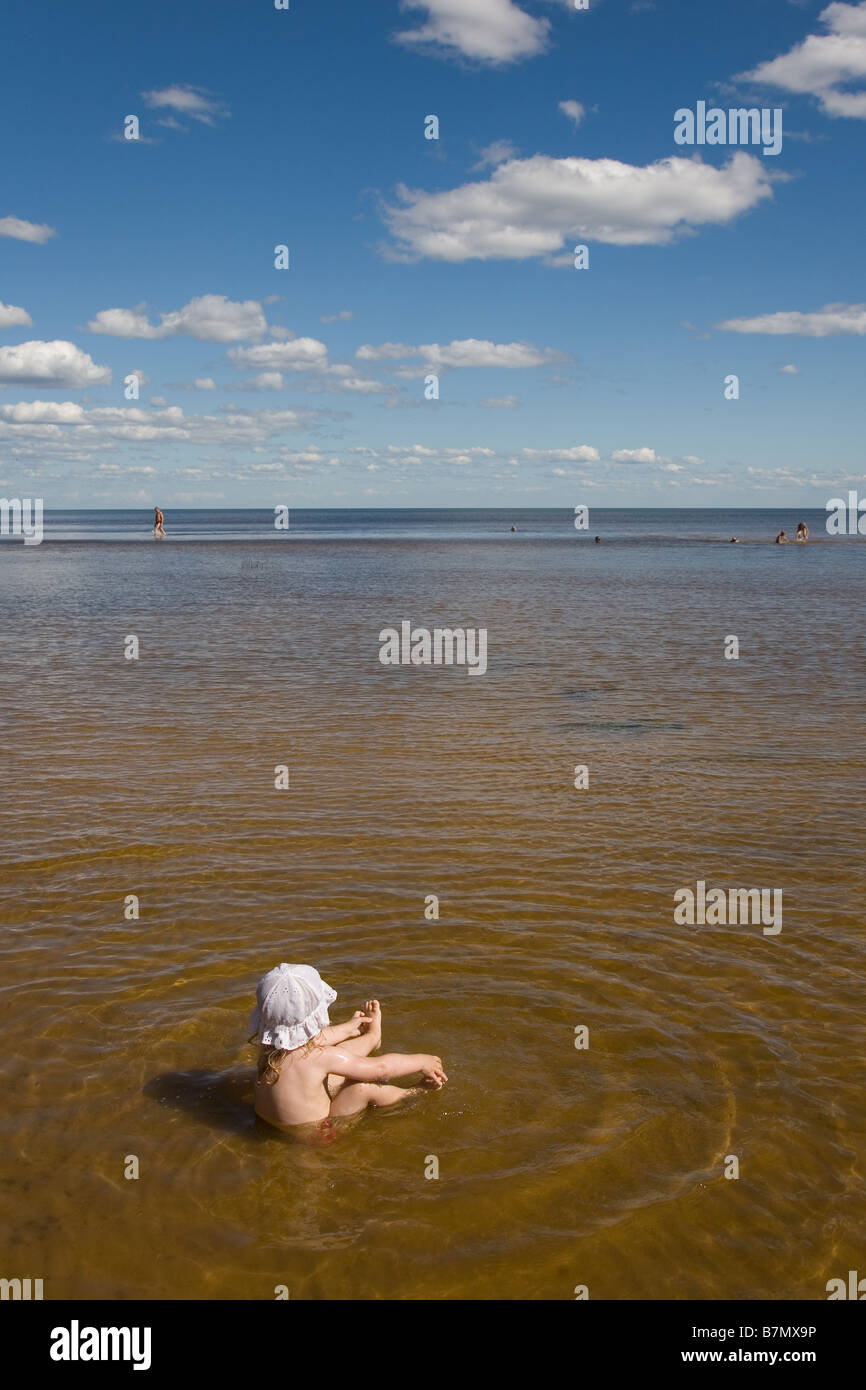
(158, 529)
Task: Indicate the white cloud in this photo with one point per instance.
(13, 317)
(790, 369)
(204, 383)
(384, 351)
(578, 453)
(25, 231)
(501, 402)
(643, 455)
(768, 477)
(43, 412)
(361, 385)
(57, 363)
(313, 455)
(823, 65)
(211, 318)
(846, 319)
(192, 102)
(536, 207)
(299, 355)
(496, 153)
(123, 323)
(573, 110)
(462, 352)
(489, 31)
(342, 317)
(265, 381)
(157, 400)
(40, 439)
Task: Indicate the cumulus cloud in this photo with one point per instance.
(342, 317)
(536, 207)
(790, 370)
(362, 386)
(265, 381)
(848, 320)
(643, 455)
(211, 318)
(770, 477)
(487, 31)
(462, 352)
(823, 65)
(25, 231)
(573, 110)
(195, 103)
(204, 383)
(56, 363)
(101, 428)
(43, 412)
(13, 317)
(577, 453)
(123, 323)
(384, 351)
(298, 355)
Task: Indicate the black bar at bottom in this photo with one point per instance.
(278, 1340)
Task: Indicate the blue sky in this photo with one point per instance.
(261, 127)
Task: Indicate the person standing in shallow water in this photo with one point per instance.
(802, 531)
(158, 519)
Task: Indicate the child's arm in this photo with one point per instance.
(392, 1064)
(339, 1032)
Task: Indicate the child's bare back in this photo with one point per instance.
(311, 1069)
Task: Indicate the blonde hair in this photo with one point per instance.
(271, 1059)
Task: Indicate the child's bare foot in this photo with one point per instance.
(374, 1028)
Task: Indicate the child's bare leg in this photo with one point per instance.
(357, 1095)
(362, 1046)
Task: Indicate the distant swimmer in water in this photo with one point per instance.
(514, 528)
(782, 539)
(598, 540)
(158, 529)
(802, 531)
(735, 540)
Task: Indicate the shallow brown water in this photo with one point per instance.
(558, 1166)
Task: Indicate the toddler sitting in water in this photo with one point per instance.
(311, 1070)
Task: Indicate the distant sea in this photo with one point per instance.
(621, 524)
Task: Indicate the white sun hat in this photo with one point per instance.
(292, 1006)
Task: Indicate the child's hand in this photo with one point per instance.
(433, 1073)
(360, 1022)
